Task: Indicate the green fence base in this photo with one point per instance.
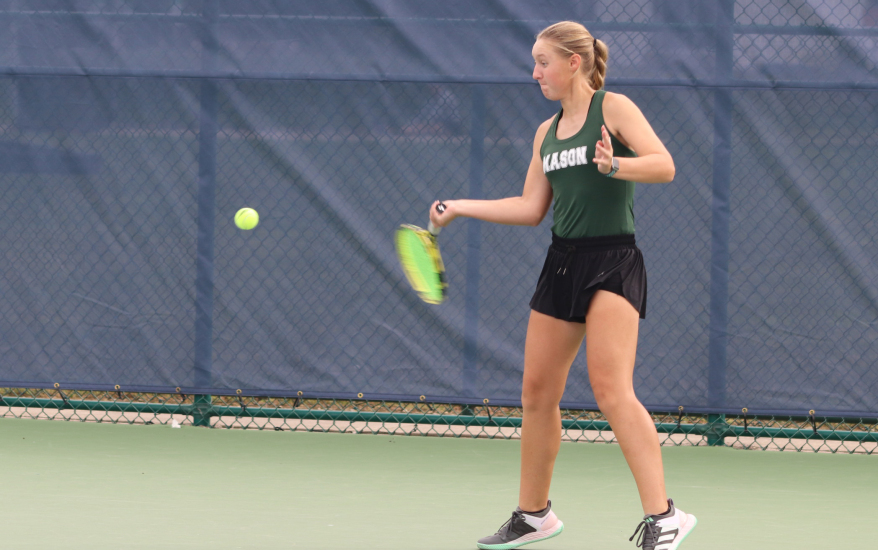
(716, 429)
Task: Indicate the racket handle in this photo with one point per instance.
(432, 228)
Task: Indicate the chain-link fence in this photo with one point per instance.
(809, 433)
(131, 132)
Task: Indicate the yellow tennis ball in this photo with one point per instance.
(246, 218)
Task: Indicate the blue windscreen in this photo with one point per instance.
(131, 131)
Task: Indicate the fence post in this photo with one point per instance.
(204, 278)
(201, 412)
(474, 239)
(720, 209)
(716, 430)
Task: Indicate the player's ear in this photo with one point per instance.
(575, 62)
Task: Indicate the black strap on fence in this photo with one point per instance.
(64, 397)
(241, 402)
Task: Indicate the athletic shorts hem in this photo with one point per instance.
(575, 269)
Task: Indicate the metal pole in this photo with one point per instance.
(474, 239)
(720, 208)
(204, 278)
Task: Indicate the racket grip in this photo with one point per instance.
(432, 228)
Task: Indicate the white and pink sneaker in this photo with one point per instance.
(665, 531)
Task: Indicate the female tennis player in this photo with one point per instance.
(593, 282)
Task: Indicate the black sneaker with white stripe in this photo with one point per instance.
(524, 528)
(665, 531)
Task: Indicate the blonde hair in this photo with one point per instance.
(570, 38)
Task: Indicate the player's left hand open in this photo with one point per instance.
(603, 152)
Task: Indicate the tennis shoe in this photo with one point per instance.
(664, 531)
(523, 528)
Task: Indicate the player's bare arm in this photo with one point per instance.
(626, 122)
(528, 209)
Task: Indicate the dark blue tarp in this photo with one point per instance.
(131, 132)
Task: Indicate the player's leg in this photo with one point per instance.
(611, 346)
(549, 350)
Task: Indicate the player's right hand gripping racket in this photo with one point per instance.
(420, 260)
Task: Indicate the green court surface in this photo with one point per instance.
(94, 486)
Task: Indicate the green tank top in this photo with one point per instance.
(586, 202)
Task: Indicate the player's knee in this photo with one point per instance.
(537, 395)
(609, 395)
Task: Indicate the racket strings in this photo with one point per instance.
(421, 262)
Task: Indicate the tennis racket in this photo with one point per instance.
(421, 262)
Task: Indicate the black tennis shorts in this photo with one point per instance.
(577, 268)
